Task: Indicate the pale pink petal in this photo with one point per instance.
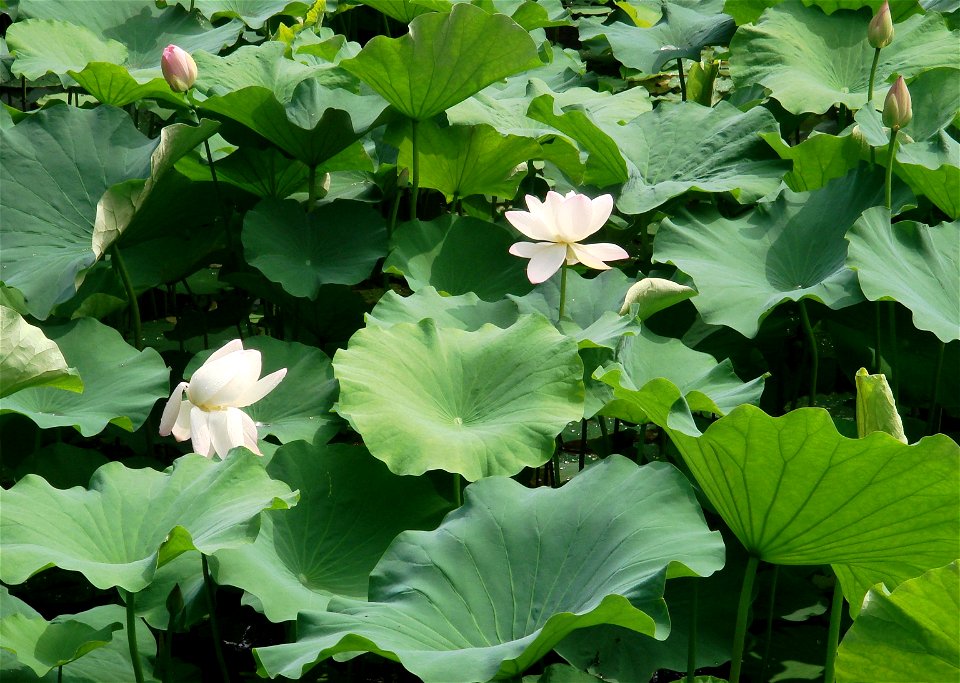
(575, 219)
(602, 208)
(533, 203)
(200, 432)
(225, 380)
(551, 211)
(530, 225)
(546, 260)
(226, 430)
(181, 430)
(261, 388)
(171, 410)
(524, 249)
(230, 347)
(594, 255)
(250, 438)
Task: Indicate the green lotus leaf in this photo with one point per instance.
(479, 403)
(705, 384)
(339, 243)
(912, 263)
(932, 168)
(316, 125)
(488, 593)
(130, 521)
(942, 6)
(934, 94)
(464, 160)
(351, 508)
(44, 645)
(267, 173)
(681, 33)
(464, 312)
(592, 310)
(784, 250)
(186, 572)
(112, 84)
(300, 406)
(143, 29)
(53, 46)
(120, 384)
(747, 11)
(29, 359)
(253, 13)
(817, 160)
(561, 673)
(653, 294)
(457, 255)
(107, 664)
(406, 11)
(796, 492)
(811, 61)
(444, 59)
(686, 146)
(262, 65)
(910, 632)
(56, 165)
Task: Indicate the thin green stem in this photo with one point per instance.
(60, 674)
(892, 159)
(583, 445)
(563, 289)
(311, 188)
(768, 637)
(124, 274)
(873, 76)
(743, 611)
(933, 421)
(602, 423)
(556, 461)
(130, 599)
(214, 625)
(692, 634)
(415, 171)
(683, 84)
(814, 354)
(833, 634)
(224, 216)
(457, 490)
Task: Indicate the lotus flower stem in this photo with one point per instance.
(121, 269)
(814, 354)
(933, 421)
(768, 637)
(583, 445)
(833, 634)
(60, 674)
(214, 625)
(891, 160)
(873, 74)
(692, 634)
(457, 490)
(130, 599)
(743, 610)
(415, 171)
(683, 85)
(563, 289)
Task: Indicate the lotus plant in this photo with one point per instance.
(559, 223)
(178, 67)
(210, 413)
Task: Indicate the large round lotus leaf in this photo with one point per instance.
(513, 571)
(143, 29)
(43, 645)
(682, 32)
(120, 386)
(465, 160)
(299, 408)
(444, 59)
(54, 46)
(910, 633)
(686, 146)
(253, 13)
(55, 167)
(811, 61)
(785, 250)
(932, 168)
(351, 508)
(817, 160)
(29, 359)
(112, 84)
(706, 385)
(263, 65)
(317, 124)
(912, 263)
(456, 255)
(477, 403)
(116, 532)
(337, 244)
(795, 491)
(463, 312)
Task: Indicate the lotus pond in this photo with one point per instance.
(552, 341)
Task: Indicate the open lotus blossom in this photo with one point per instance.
(207, 408)
(558, 224)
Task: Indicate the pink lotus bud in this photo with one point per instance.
(880, 31)
(897, 108)
(178, 68)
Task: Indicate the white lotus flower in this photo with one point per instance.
(558, 224)
(210, 412)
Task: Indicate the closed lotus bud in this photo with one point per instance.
(876, 409)
(880, 31)
(897, 108)
(179, 69)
